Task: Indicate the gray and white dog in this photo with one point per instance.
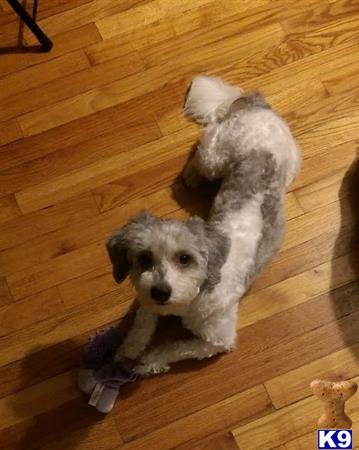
(199, 270)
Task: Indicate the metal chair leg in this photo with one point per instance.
(45, 42)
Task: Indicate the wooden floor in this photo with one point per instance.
(91, 133)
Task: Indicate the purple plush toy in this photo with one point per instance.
(101, 376)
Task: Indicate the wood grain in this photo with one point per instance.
(228, 412)
(104, 171)
(10, 131)
(37, 75)
(91, 133)
(9, 209)
(64, 42)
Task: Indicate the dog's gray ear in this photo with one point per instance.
(218, 248)
(118, 245)
(117, 250)
(197, 225)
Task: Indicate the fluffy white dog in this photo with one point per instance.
(199, 270)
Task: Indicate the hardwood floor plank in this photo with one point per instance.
(84, 430)
(314, 66)
(65, 87)
(44, 275)
(285, 294)
(106, 50)
(5, 295)
(64, 326)
(341, 80)
(291, 101)
(232, 410)
(323, 192)
(294, 385)
(136, 40)
(89, 286)
(288, 263)
(326, 164)
(10, 131)
(144, 15)
(41, 364)
(224, 441)
(67, 266)
(104, 171)
(19, 315)
(329, 218)
(341, 14)
(9, 209)
(63, 43)
(52, 7)
(41, 398)
(34, 76)
(216, 22)
(73, 133)
(30, 226)
(341, 130)
(141, 83)
(293, 207)
(273, 430)
(126, 136)
(83, 15)
(102, 435)
(145, 182)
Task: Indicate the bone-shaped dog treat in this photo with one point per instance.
(334, 395)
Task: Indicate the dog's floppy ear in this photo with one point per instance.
(117, 250)
(119, 244)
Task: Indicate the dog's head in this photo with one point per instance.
(169, 261)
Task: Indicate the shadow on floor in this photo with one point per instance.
(52, 412)
(196, 201)
(44, 416)
(345, 261)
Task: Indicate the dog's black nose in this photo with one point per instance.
(161, 293)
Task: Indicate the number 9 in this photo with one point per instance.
(344, 439)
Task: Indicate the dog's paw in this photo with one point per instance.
(191, 176)
(149, 366)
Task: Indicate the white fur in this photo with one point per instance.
(209, 98)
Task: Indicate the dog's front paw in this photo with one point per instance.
(191, 176)
(149, 366)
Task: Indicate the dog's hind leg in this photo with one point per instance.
(208, 161)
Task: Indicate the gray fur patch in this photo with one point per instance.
(256, 173)
(216, 244)
(248, 101)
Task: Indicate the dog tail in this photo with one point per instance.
(209, 98)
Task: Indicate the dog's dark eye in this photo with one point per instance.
(145, 260)
(184, 259)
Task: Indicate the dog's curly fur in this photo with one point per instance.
(199, 270)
